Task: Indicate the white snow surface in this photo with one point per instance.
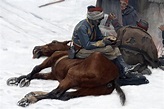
(23, 25)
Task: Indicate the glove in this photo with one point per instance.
(106, 41)
(109, 40)
(99, 43)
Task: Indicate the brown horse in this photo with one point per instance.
(95, 75)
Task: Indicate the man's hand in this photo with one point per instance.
(111, 16)
(109, 40)
(161, 27)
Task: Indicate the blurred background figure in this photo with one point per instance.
(162, 29)
(129, 14)
(110, 6)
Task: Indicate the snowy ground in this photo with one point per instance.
(23, 25)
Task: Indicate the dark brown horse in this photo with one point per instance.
(89, 76)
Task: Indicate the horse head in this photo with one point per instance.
(49, 49)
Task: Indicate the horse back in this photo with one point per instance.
(60, 68)
(93, 71)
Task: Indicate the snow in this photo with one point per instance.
(23, 25)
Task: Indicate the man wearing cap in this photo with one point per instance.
(87, 38)
(129, 14)
(142, 27)
(143, 24)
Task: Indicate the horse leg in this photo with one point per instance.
(30, 98)
(57, 93)
(45, 76)
(33, 97)
(100, 90)
(25, 79)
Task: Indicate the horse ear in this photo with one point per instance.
(54, 41)
(66, 42)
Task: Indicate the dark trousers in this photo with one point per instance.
(118, 62)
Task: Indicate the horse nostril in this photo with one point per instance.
(37, 54)
(36, 49)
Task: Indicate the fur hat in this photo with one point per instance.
(125, 1)
(95, 13)
(143, 24)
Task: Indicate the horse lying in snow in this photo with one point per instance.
(95, 75)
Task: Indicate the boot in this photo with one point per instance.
(126, 68)
(137, 80)
(127, 76)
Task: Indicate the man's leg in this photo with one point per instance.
(108, 51)
(127, 76)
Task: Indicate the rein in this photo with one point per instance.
(65, 56)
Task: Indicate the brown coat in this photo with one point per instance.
(135, 40)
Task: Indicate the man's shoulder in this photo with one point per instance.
(81, 23)
(129, 10)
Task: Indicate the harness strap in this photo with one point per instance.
(65, 56)
(77, 47)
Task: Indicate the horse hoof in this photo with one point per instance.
(23, 102)
(12, 81)
(24, 82)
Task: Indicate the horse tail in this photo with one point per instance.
(120, 92)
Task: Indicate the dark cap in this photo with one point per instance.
(143, 24)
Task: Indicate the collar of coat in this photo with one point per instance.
(89, 23)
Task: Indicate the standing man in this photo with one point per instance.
(129, 14)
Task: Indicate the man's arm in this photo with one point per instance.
(87, 44)
(114, 22)
(85, 41)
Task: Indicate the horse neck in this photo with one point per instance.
(51, 50)
(59, 55)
